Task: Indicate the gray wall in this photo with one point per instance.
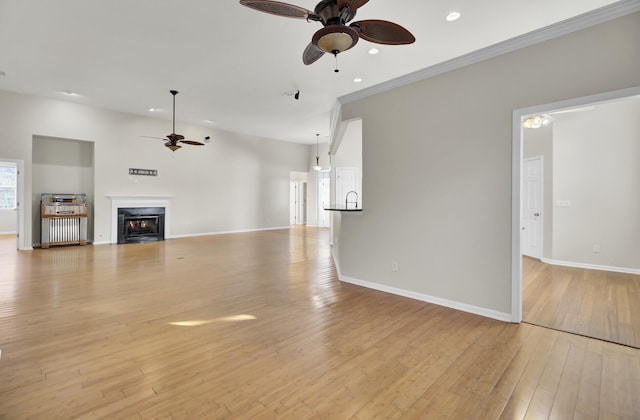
(437, 163)
(61, 166)
(235, 182)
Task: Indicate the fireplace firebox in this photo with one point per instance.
(140, 224)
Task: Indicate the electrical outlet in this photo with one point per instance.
(394, 265)
(596, 247)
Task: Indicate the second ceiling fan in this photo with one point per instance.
(336, 36)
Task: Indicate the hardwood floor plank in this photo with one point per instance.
(257, 325)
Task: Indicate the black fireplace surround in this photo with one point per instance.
(140, 224)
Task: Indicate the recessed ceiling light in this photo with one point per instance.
(210, 121)
(453, 16)
(153, 109)
(374, 51)
(357, 79)
(69, 93)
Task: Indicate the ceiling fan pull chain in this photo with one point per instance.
(335, 54)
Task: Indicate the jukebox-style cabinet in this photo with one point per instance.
(64, 219)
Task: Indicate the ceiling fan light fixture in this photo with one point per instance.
(173, 147)
(535, 121)
(317, 167)
(335, 39)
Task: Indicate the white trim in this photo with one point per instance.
(9, 233)
(489, 313)
(594, 17)
(516, 179)
(118, 201)
(624, 270)
(190, 235)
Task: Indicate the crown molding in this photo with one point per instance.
(576, 23)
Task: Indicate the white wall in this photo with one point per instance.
(437, 164)
(349, 154)
(235, 182)
(596, 167)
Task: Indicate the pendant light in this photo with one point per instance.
(317, 167)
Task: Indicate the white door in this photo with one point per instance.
(293, 203)
(347, 181)
(532, 207)
(302, 199)
(324, 199)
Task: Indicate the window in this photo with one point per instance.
(8, 184)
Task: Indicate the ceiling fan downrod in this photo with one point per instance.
(174, 93)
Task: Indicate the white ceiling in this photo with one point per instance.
(231, 64)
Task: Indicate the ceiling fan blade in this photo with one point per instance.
(383, 32)
(279, 9)
(311, 54)
(192, 142)
(353, 4)
(175, 137)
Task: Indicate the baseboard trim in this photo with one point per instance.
(488, 313)
(572, 264)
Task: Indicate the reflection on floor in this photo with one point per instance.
(593, 303)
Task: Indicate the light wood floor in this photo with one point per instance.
(594, 303)
(256, 325)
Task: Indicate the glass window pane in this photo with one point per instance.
(8, 182)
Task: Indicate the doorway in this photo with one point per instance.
(532, 197)
(298, 198)
(570, 285)
(324, 198)
(347, 182)
(12, 199)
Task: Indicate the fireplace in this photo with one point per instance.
(132, 202)
(140, 224)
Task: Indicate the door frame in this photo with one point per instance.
(516, 179)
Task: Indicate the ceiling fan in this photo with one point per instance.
(336, 36)
(174, 138)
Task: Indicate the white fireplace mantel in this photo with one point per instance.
(120, 201)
